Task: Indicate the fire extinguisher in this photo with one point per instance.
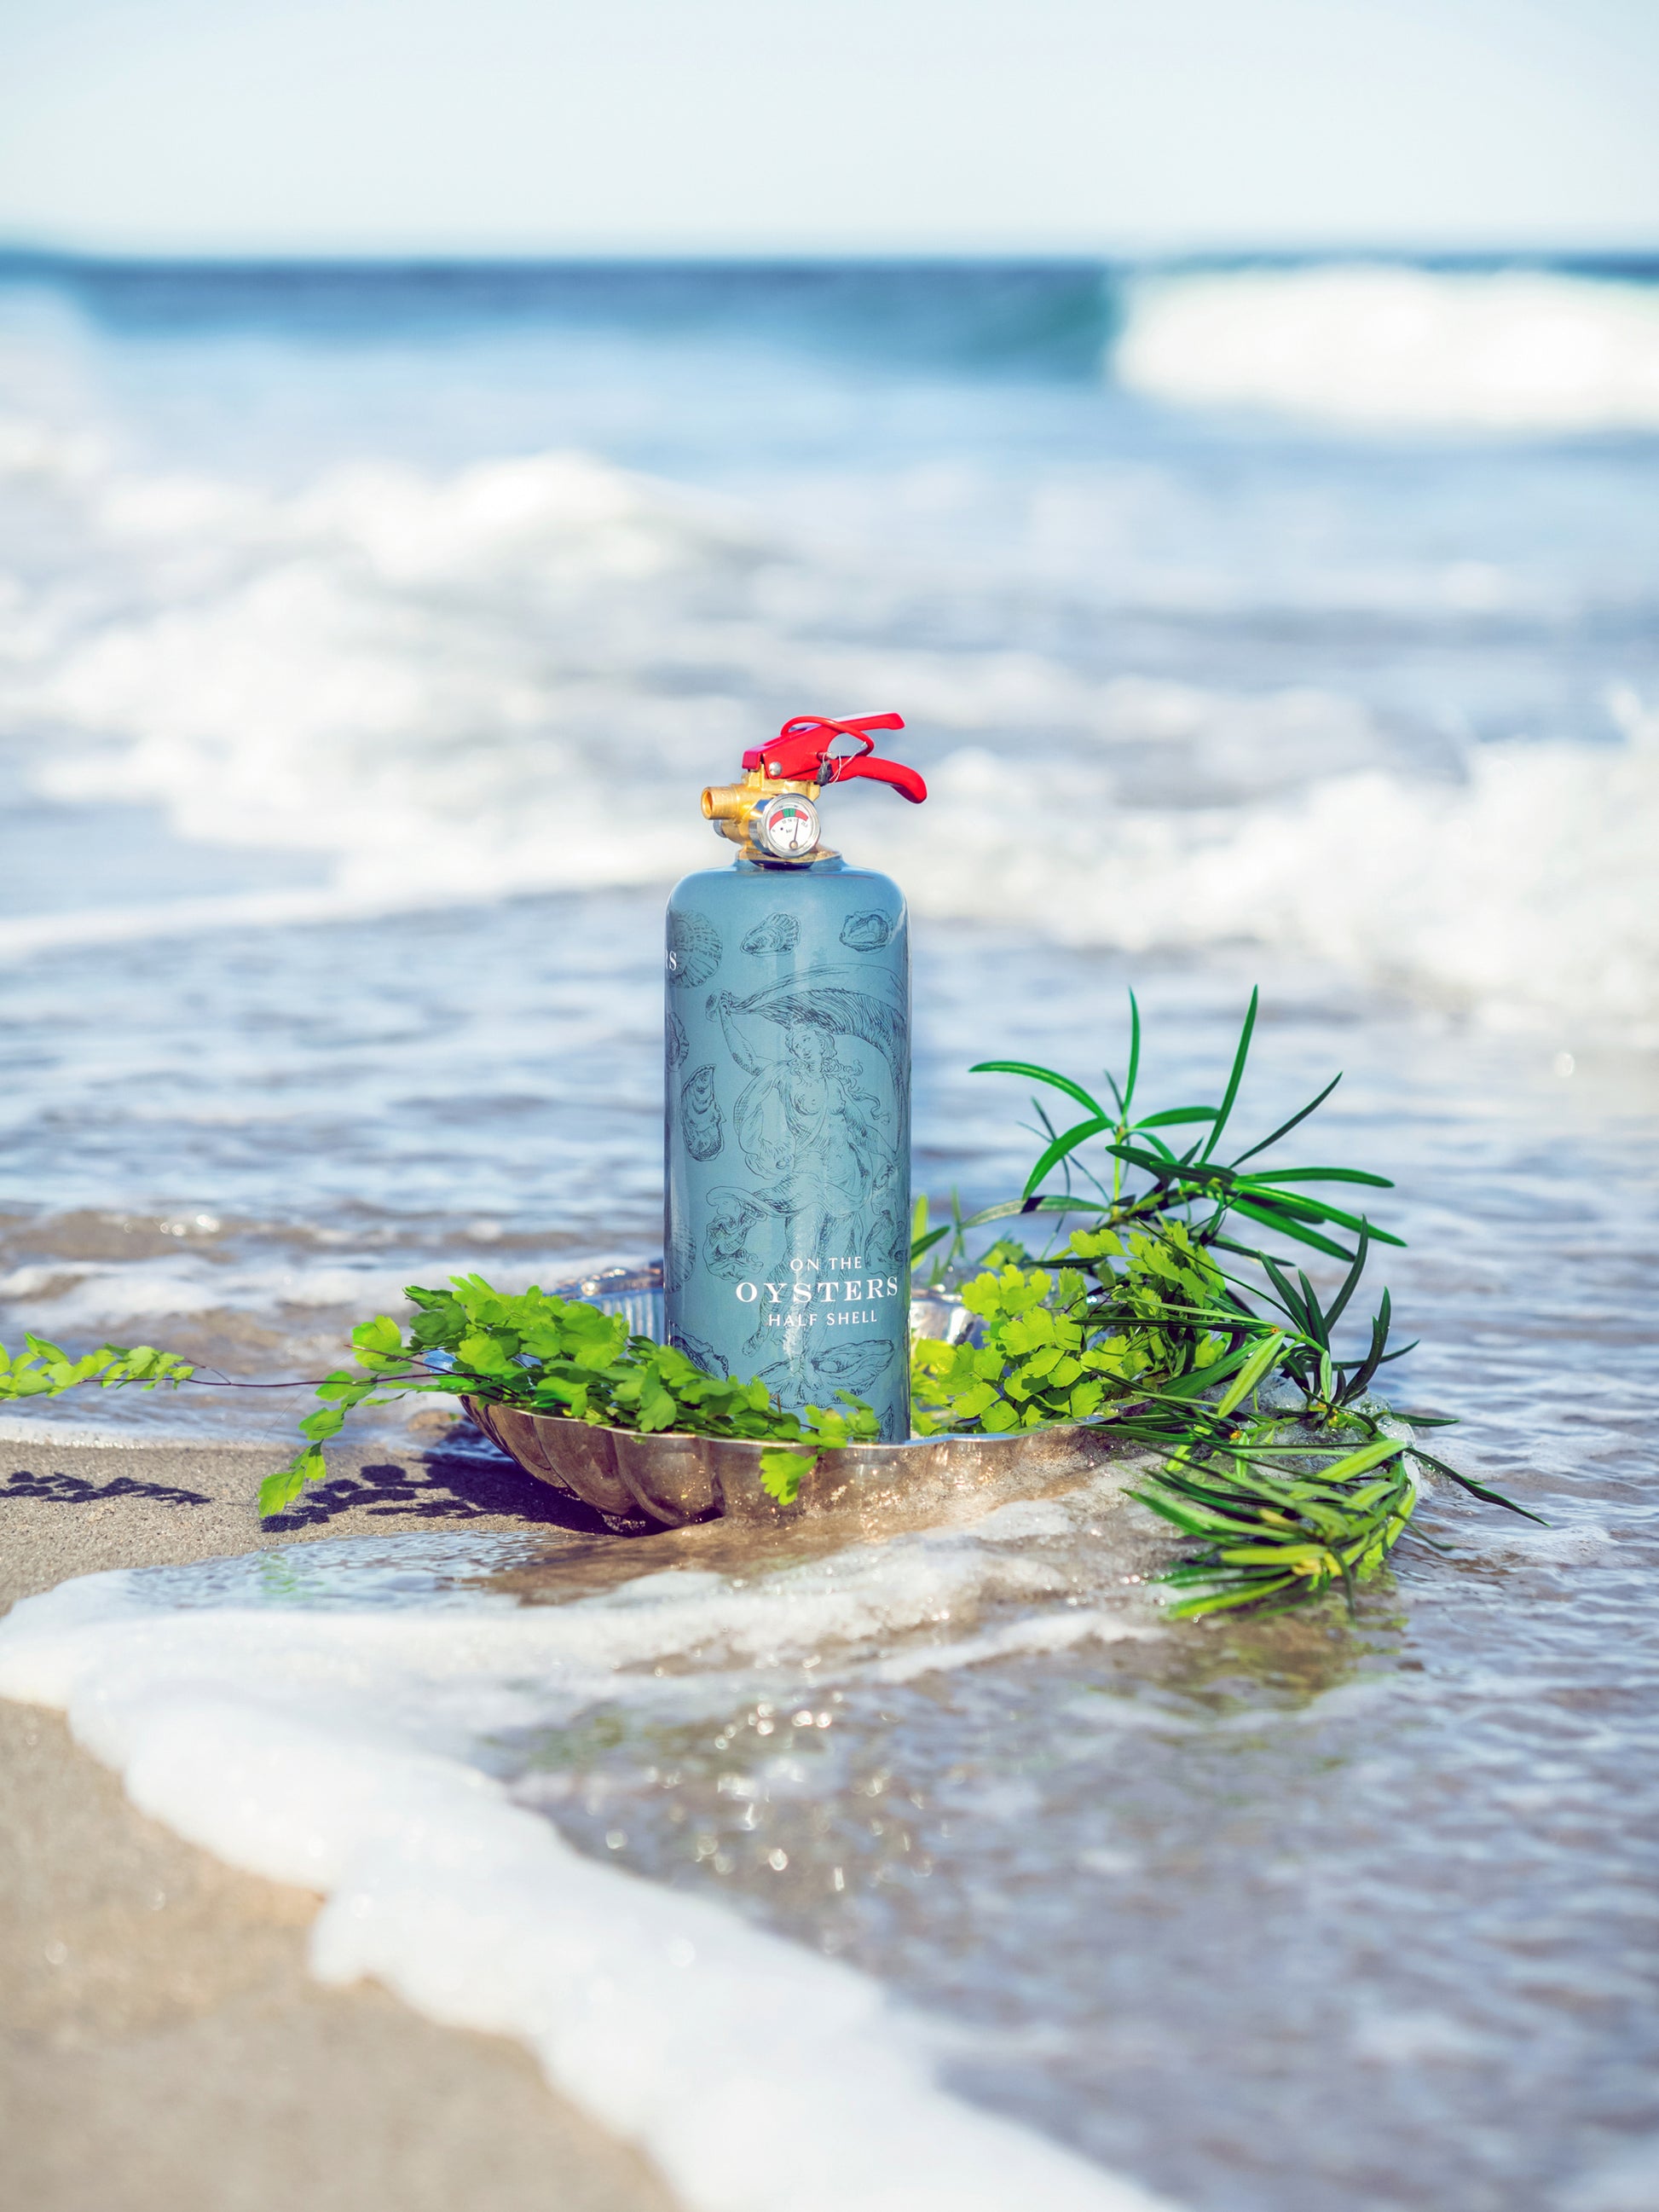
(787, 1236)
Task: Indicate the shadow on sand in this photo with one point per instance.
(447, 1482)
(75, 1489)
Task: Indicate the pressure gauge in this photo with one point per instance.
(786, 827)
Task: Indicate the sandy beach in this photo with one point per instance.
(164, 2048)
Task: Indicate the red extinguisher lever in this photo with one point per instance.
(801, 752)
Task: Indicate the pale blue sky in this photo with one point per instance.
(826, 125)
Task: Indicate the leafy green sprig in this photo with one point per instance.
(544, 1354)
(43, 1369)
(1049, 1348)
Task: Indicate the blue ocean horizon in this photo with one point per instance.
(1050, 313)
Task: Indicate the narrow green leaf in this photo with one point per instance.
(1318, 1210)
(1063, 1148)
(1287, 1227)
(1135, 1054)
(1286, 1128)
(1034, 1074)
(1237, 1076)
(1351, 1283)
(1010, 1206)
(1197, 1380)
(1269, 1177)
(1369, 1455)
(1177, 1113)
(1368, 1365)
(1161, 1162)
(1317, 1328)
(1291, 1299)
(1250, 1374)
(1476, 1489)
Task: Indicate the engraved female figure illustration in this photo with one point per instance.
(807, 1122)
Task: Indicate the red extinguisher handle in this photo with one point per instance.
(905, 781)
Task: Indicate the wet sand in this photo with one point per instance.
(162, 2048)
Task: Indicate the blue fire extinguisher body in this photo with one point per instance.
(787, 1210)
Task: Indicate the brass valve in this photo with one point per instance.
(771, 817)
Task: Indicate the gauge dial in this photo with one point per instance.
(787, 827)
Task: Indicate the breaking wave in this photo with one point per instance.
(1522, 885)
(515, 676)
(1401, 346)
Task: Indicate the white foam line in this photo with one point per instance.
(1040, 1632)
(22, 937)
(316, 1748)
(27, 935)
(75, 1436)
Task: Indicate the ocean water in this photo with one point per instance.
(366, 637)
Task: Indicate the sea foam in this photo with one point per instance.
(310, 1716)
